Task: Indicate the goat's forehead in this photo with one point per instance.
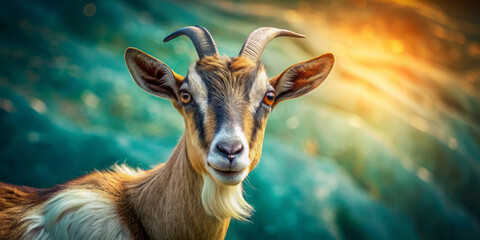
(224, 75)
(216, 62)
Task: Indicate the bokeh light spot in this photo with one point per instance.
(424, 174)
(292, 122)
(397, 46)
(6, 105)
(89, 10)
(453, 143)
(33, 137)
(311, 147)
(90, 99)
(355, 121)
(419, 123)
(38, 105)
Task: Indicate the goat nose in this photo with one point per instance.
(230, 149)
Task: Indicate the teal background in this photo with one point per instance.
(386, 148)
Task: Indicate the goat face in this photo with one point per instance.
(225, 101)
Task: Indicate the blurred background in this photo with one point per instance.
(388, 147)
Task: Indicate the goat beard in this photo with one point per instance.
(224, 202)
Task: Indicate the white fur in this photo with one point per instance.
(227, 134)
(198, 88)
(124, 169)
(75, 214)
(224, 201)
(258, 90)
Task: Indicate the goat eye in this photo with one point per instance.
(185, 97)
(269, 98)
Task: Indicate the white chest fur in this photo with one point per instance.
(75, 214)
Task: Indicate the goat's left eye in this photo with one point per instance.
(269, 98)
(185, 97)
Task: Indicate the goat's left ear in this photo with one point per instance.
(302, 78)
(152, 75)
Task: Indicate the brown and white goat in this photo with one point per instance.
(225, 103)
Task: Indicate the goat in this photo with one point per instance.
(224, 102)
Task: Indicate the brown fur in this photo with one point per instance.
(163, 203)
(15, 201)
(167, 200)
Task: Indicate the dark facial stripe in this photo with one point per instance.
(220, 115)
(258, 118)
(198, 117)
(214, 99)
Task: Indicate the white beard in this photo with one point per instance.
(224, 201)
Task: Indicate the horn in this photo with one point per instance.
(201, 38)
(258, 40)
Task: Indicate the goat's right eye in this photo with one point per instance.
(269, 98)
(185, 97)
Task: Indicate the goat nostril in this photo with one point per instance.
(230, 149)
(237, 148)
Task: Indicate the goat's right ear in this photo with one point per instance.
(152, 75)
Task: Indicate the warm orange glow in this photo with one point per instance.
(367, 31)
(388, 66)
(397, 46)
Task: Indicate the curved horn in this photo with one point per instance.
(201, 38)
(258, 40)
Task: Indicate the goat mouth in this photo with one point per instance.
(226, 173)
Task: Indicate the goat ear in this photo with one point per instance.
(152, 75)
(302, 78)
